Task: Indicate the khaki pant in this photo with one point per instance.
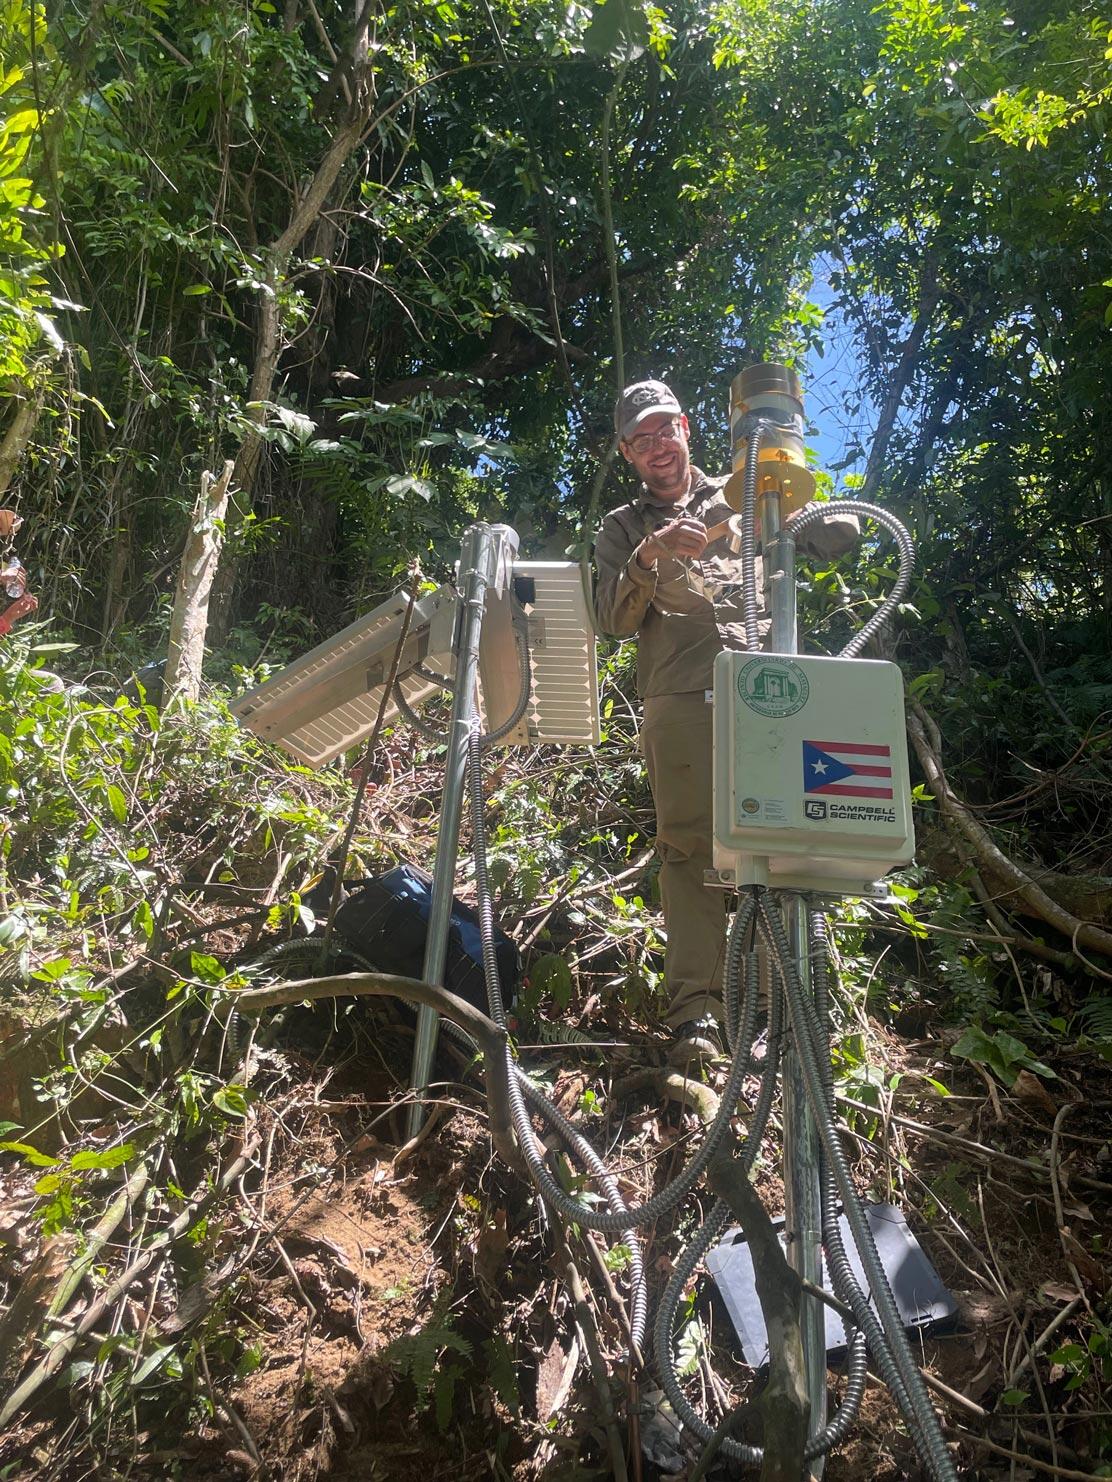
(677, 745)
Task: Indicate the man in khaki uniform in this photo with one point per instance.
(659, 578)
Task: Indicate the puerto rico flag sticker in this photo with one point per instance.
(847, 769)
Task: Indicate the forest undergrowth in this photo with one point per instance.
(220, 1255)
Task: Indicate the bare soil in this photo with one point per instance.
(399, 1313)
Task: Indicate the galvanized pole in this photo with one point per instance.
(479, 562)
(802, 1149)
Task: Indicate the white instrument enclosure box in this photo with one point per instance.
(811, 788)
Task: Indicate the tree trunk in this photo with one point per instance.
(189, 622)
(18, 436)
(268, 345)
(784, 1403)
(113, 606)
(901, 378)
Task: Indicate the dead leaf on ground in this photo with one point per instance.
(490, 1252)
(555, 1375)
(1057, 1291)
(36, 1287)
(1029, 1089)
(981, 1308)
(1089, 1269)
(987, 1378)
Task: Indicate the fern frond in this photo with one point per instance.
(1096, 1016)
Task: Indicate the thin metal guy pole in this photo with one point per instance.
(479, 556)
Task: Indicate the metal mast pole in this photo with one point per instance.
(772, 394)
(802, 1149)
(479, 561)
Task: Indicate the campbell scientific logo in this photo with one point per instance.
(813, 808)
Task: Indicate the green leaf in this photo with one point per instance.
(152, 1363)
(1001, 1052)
(53, 971)
(551, 977)
(117, 802)
(30, 1154)
(207, 968)
(108, 1158)
(1014, 1396)
(619, 30)
(195, 290)
(142, 919)
(297, 424)
(403, 483)
(231, 1101)
(11, 929)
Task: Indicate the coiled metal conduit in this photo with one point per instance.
(883, 1336)
(741, 1015)
(843, 1418)
(891, 1347)
(905, 547)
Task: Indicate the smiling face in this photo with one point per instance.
(664, 465)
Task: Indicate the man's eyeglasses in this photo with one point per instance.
(645, 442)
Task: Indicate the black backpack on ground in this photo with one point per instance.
(385, 919)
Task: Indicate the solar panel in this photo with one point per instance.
(563, 707)
(328, 701)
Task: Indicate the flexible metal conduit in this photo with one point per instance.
(813, 1051)
(905, 546)
(878, 1332)
(567, 1205)
(741, 1014)
(525, 670)
(843, 1418)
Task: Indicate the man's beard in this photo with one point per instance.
(672, 481)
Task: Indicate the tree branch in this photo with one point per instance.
(901, 377)
(189, 620)
(18, 435)
(1020, 885)
(489, 1037)
(97, 1310)
(784, 1403)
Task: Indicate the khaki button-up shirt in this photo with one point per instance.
(680, 628)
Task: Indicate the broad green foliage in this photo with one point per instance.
(28, 334)
(373, 269)
(417, 305)
(440, 325)
(91, 787)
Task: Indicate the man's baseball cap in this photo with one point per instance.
(640, 401)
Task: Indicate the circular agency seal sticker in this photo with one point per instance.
(773, 687)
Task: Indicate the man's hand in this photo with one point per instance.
(683, 539)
